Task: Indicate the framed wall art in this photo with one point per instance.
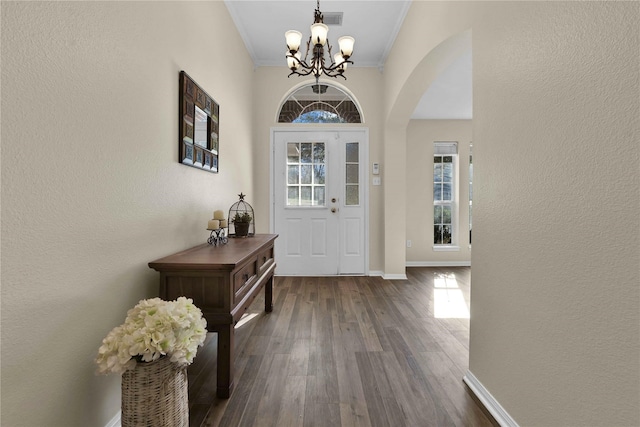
(199, 127)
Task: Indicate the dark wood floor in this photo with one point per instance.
(346, 351)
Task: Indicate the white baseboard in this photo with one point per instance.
(394, 276)
(489, 402)
(376, 273)
(438, 263)
(115, 421)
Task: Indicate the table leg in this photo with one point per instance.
(225, 361)
(268, 295)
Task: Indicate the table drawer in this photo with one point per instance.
(243, 280)
(265, 258)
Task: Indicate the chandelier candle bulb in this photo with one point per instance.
(218, 215)
(346, 46)
(214, 224)
(293, 61)
(339, 60)
(319, 34)
(293, 40)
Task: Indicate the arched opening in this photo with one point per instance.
(402, 107)
(319, 103)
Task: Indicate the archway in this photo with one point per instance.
(423, 75)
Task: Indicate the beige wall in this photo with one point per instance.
(91, 89)
(91, 187)
(555, 298)
(421, 134)
(271, 86)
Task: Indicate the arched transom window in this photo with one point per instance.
(319, 103)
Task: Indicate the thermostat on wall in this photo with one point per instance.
(376, 168)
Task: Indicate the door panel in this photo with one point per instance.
(319, 237)
(352, 237)
(292, 237)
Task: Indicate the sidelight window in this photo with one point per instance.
(352, 181)
(444, 160)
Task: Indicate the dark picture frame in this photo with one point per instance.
(199, 127)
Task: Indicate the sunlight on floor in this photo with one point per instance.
(448, 300)
(246, 318)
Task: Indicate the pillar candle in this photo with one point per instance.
(214, 224)
(223, 223)
(218, 215)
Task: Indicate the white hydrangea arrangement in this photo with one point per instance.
(153, 328)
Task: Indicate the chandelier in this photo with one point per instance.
(317, 65)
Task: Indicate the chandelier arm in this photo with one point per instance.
(333, 73)
(335, 66)
(334, 70)
(304, 63)
(327, 72)
(338, 67)
(300, 63)
(329, 50)
(306, 54)
(303, 73)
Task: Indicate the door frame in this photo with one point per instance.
(364, 163)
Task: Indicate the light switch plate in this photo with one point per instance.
(377, 180)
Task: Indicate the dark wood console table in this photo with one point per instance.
(222, 281)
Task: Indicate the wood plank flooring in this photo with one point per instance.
(346, 351)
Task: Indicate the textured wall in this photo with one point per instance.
(556, 279)
(91, 187)
(555, 293)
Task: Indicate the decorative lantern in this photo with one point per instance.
(241, 219)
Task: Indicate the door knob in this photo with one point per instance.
(333, 210)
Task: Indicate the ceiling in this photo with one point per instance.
(374, 25)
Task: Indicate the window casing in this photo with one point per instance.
(444, 194)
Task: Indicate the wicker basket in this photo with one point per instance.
(155, 394)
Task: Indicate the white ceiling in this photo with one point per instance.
(374, 25)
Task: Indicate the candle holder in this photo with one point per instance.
(218, 237)
(218, 227)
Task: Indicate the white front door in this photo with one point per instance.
(319, 201)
